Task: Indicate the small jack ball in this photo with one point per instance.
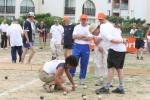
(41, 97)
(99, 97)
(84, 97)
(6, 77)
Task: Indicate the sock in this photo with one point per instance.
(121, 84)
(107, 86)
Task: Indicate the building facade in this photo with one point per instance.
(74, 8)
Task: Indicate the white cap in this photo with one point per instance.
(31, 14)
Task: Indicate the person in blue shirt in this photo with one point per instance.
(68, 40)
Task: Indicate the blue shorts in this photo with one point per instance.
(28, 45)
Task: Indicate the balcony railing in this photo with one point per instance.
(9, 9)
(89, 11)
(25, 9)
(69, 10)
(124, 6)
(2, 9)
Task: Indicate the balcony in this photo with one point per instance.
(10, 9)
(89, 11)
(25, 9)
(69, 10)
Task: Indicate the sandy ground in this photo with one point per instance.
(23, 82)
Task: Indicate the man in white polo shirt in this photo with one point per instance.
(14, 32)
(115, 59)
(81, 36)
(56, 31)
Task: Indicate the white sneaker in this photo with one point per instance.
(82, 81)
(99, 82)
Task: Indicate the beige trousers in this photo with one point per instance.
(56, 49)
(100, 60)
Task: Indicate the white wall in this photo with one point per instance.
(138, 8)
(54, 7)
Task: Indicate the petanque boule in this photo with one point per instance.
(6, 77)
(41, 97)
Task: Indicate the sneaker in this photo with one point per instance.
(82, 82)
(98, 82)
(141, 58)
(47, 88)
(119, 91)
(102, 90)
(137, 57)
(111, 86)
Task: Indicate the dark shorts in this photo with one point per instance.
(139, 43)
(28, 45)
(68, 46)
(115, 59)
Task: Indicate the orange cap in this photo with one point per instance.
(101, 15)
(66, 18)
(83, 17)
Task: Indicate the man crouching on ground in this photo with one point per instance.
(52, 73)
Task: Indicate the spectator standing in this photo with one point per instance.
(42, 34)
(99, 59)
(139, 43)
(56, 31)
(15, 32)
(81, 36)
(68, 40)
(28, 38)
(132, 31)
(3, 28)
(148, 37)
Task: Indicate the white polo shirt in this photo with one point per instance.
(106, 31)
(117, 36)
(132, 31)
(4, 27)
(57, 32)
(81, 30)
(15, 31)
(51, 66)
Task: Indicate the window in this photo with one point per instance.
(91, 20)
(27, 6)
(2, 6)
(2, 2)
(69, 3)
(7, 6)
(10, 6)
(88, 8)
(69, 7)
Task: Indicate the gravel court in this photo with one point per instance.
(137, 80)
